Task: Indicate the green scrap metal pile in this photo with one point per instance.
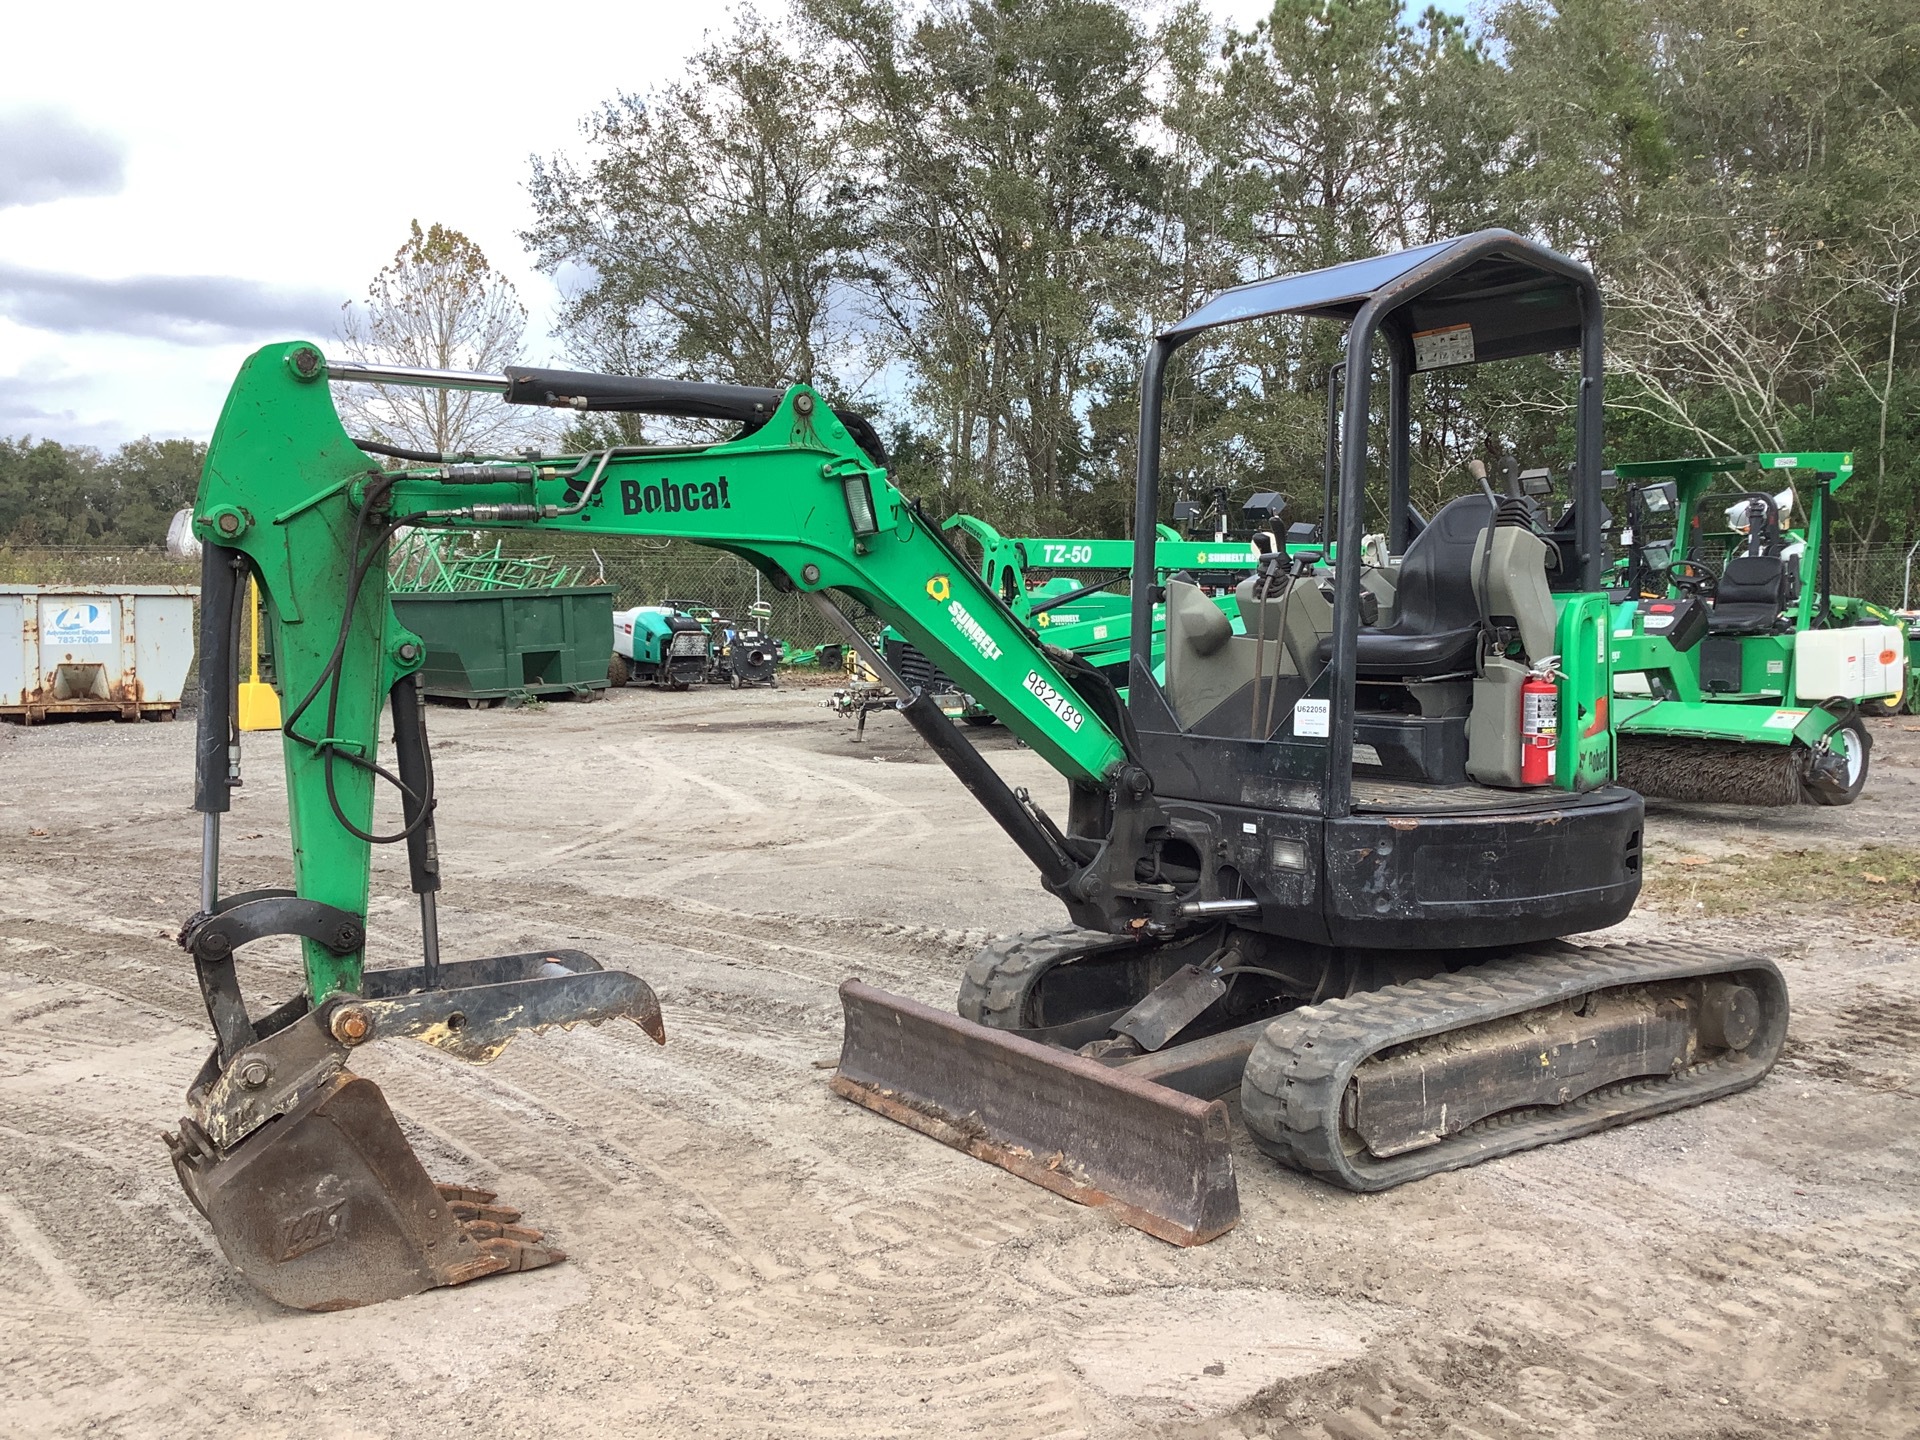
(426, 561)
(500, 627)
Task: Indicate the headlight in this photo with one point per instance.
(860, 504)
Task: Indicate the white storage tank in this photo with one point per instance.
(1860, 662)
(121, 650)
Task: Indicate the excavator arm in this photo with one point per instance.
(290, 495)
(299, 1166)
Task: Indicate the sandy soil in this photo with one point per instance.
(752, 1257)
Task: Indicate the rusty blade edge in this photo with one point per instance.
(1018, 1161)
(649, 1020)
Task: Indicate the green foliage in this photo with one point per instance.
(1745, 175)
(54, 494)
(978, 211)
(716, 218)
(1011, 239)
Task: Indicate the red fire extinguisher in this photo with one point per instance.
(1539, 725)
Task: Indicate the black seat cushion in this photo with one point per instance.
(1382, 654)
(1750, 596)
(1436, 624)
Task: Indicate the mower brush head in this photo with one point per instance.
(1717, 772)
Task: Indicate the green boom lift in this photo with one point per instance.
(1739, 675)
(1306, 866)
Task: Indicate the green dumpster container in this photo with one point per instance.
(498, 644)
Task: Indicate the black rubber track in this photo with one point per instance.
(1297, 1076)
(999, 979)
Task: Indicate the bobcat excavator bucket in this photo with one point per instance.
(300, 1167)
(1111, 1136)
(304, 1174)
(328, 1208)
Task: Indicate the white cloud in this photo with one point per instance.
(269, 161)
(45, 154)
(187, 309)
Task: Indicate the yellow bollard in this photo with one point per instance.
(259, 701)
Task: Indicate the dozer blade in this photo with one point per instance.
(327, 1207)
(1156, 1158)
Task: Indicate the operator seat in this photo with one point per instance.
(1752, 592)
(1436, 623)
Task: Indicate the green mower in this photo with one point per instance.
(1738, 676)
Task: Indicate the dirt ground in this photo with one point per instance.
(753, 1257)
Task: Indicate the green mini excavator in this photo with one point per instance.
(1329, 863)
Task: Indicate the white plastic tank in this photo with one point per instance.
(1859, 662)
(121, 650)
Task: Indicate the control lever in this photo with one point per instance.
(1477, 468)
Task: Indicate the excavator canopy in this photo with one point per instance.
(1520, 297)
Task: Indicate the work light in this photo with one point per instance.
(860, 503)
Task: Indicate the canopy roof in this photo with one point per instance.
(1837, 463)
(1518, 297)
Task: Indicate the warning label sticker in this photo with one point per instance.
(1449, 345)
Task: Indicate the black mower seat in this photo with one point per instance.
(1752, 592)
(1436, 627)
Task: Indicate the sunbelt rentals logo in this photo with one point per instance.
(1054, 701)
(971, 628)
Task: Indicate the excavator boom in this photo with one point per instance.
(299, 1166)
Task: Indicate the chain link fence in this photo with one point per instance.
(648, 574)
(80, 565)
(1885, 574)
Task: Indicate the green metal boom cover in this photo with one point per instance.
(797, 497)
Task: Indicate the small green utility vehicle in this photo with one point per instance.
(1738, 675)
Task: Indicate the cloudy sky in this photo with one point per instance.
(180, 183)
